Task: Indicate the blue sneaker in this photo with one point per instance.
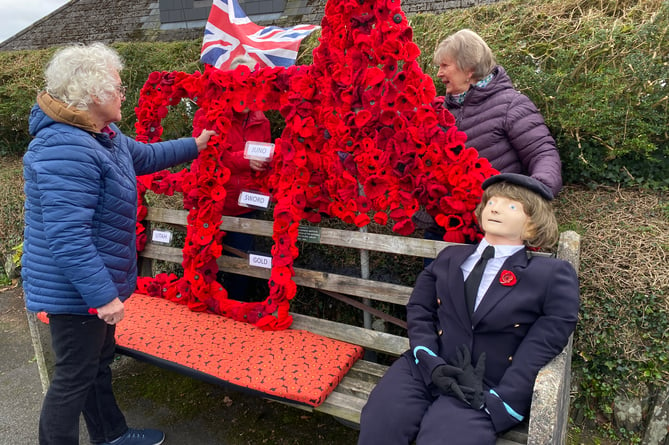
(139, 437)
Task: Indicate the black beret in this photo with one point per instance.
(528, 182)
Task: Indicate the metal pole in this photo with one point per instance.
(364, 271)
(364, 274)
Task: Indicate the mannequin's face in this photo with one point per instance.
(504, 221)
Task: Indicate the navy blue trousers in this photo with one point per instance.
(401, 409)
(82, 383)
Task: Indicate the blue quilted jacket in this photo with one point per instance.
(80, 212)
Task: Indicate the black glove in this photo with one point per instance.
(444, 378)
(470, 381)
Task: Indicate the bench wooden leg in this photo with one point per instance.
(33, 324)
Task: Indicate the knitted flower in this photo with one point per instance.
(507, 278)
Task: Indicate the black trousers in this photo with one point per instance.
(82, 383)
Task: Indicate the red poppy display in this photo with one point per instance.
(363, 142)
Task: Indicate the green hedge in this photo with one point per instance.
(596, 70)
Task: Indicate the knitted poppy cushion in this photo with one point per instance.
(292, 364)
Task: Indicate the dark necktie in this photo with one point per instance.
(474, 279)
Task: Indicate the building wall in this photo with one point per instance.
(174, 13)
(313, 10)
(168, 20)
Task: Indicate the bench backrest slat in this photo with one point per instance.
(163, 253)
(374, 290)
(367, 338)
(332, 237)
(382, 243)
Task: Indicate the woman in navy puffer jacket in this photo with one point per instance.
(79, 241)
(501, 123)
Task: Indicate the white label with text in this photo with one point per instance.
(260, 151)
(161, 236)
(260, 261)
(255, 200)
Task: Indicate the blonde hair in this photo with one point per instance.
(77, 73)
(542, 228)
(469, 52)
(244, 59)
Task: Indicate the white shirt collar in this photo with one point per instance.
(501, 250)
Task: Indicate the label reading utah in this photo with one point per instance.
(255, 200)
(161, 236)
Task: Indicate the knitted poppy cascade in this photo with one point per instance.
(361, 143)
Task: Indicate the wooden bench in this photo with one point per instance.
(549, 415)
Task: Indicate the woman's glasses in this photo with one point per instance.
(121, 89)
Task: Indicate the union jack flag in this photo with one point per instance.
(230, 33)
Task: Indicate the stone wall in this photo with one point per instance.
(130, 20)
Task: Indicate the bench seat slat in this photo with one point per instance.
(367, 370)
(355, 387)
(342, 406)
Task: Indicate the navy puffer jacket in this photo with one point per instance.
(80, 212)
(507, 129)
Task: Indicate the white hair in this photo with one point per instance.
(77, 73)
(244, 59)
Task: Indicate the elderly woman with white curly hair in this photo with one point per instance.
(79, 254)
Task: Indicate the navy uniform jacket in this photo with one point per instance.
(519, 327)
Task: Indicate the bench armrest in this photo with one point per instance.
(549, 415)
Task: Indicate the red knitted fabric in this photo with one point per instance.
(291, 364)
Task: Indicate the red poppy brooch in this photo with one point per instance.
(507, 278)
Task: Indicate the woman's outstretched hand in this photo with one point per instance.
(203, 139)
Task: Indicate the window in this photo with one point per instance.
(194, 13)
